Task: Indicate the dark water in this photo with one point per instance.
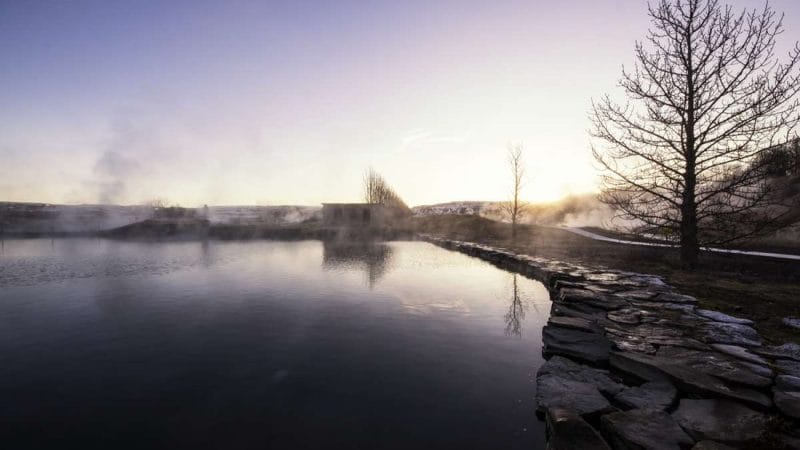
(262, 344)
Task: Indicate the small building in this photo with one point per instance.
(360, 215)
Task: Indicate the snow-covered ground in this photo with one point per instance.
(276, 215)
(463, 208)
(599, 237)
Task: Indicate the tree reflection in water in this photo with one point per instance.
(373, 257)
(516, 309)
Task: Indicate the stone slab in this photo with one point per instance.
(788, 402)
(717, 316)
(786, 351)
(711, 445)
(575, 323)
(583, 297)
(692, 381)
(731, 333)
(571, 370)
(568, 431)
(719, 420)
(658, 395)
(643, 429)
(592, 348)
(582, 398)
(740, 352)
(716, 364)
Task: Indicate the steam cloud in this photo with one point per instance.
(121, 162)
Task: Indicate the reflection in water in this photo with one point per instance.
(516, 309)
(205, 255)
(373, 257)
(259, 344)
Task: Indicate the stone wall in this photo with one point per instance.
(634, 364)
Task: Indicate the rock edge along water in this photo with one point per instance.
(639, 350)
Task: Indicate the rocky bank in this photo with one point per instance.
(633, 364)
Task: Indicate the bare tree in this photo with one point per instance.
(378, 191)
(706, 97)
(516, 311)
(515, 208)
(782, 160)
(373, 187)
(157, 203)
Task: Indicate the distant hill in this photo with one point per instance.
(48, 218)
(574, 210)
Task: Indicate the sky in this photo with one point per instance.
(268, 103)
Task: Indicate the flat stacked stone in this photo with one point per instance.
(732, 334)
(718, 365)
(740, 352)
(789, 351)
(583, 398)
(569, 369)
(786, 395)
(658, 395)
(720, 420)
(711, 445)
(593, 348)
(717, 316)
(643, 429)
(685, 378)
(791, 322)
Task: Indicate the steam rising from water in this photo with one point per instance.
(573, 211)
(116, 166)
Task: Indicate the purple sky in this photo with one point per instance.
(289, 102)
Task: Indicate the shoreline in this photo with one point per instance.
(167, 230)
(632, 361)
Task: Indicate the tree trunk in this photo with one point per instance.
(689, 243)
(690, 248)
(515, 213)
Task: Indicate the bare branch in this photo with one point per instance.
(707, 97)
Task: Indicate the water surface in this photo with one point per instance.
(264, 344)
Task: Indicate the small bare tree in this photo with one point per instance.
(516, 310)
(515, 208)
(706, 97)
